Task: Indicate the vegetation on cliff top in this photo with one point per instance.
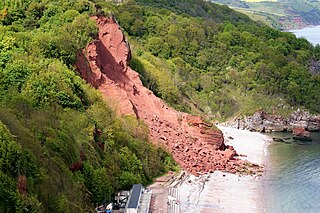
(199, 62)
(62, 148)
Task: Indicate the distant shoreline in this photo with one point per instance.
(299, 28)
(302, 28)
(310, 33)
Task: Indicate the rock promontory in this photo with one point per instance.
(262, 121)
(300, 133)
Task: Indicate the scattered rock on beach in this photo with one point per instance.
(278, 139)
(300, 133)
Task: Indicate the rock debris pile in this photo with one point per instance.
(198, 147)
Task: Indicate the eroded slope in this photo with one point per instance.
(195, 145)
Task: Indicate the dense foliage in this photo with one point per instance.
(219, 67)
(61, 148)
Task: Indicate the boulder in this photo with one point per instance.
(314, 123)
(278, 139)
(229, 154)
(300, 133)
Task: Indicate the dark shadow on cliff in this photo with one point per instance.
(104, 62)
(109, 66)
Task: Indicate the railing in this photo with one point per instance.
(173, 204)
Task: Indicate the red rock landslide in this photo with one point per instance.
(195, 145)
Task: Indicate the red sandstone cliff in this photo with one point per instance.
(194, 144)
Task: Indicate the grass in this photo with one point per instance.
(300, 7)
(274, 8)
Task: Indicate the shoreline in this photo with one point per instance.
(221, 191)
(299, 28)
(306, 27)
(310, 33)
(252, 144)
(225, 192)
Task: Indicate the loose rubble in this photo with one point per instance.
(198, 147)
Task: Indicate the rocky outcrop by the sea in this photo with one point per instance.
(262, 121)
(197, 146)
(300, 133)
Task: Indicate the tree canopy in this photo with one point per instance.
(199, 56)
(62, 149)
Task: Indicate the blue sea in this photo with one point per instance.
(292, 179)
(312, 34)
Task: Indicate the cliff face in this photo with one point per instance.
(194, 144)
(262, 121)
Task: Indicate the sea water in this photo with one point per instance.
(312, 34)
(291, 182)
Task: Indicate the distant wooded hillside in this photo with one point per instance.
(279, 14)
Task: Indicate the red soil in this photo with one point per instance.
(195, 145)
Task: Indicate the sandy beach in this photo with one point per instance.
(252, 144)
(224, 192)
(218, 191)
